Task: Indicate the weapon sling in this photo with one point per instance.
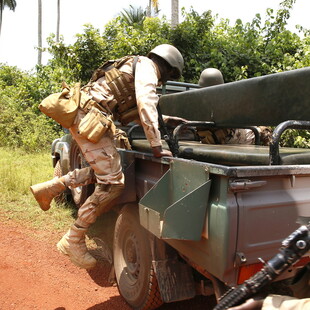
(166, 135)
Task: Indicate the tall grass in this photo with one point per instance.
(19, 170)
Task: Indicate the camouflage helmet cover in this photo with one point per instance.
(210, 77)
(171, 55)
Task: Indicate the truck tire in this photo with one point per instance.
(77, 161)
(134, 271)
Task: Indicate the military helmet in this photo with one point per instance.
(172, 56)
(210, 77)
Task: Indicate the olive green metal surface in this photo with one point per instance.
(267, 100)
(230, 154)
(178, 213)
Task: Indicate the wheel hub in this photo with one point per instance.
(131, 258)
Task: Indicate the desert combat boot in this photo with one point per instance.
(46, 191)
(73, 244)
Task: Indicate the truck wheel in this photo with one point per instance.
(77, 161)
(63, 197)
(134, 272)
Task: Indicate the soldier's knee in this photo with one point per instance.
(106, 196)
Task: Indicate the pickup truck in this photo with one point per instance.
(203, 221)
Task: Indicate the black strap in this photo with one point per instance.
(173, 146)
(135, 60)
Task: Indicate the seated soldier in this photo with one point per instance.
(211, 77)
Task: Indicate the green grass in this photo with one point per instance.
(19, 170)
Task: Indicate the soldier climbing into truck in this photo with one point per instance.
(124, 90)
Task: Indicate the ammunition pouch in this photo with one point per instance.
(129, 116)
(95, 124)
(124, 105)
(121, 139)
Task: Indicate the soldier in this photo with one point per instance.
(125, 90)
(212, 77)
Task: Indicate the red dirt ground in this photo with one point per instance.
(34, 275)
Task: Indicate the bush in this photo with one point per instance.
(240, 51)
(22, 125)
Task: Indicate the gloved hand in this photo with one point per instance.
(174, 121)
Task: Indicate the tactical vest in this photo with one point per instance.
(124, 105)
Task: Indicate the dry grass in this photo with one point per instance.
(19, 170)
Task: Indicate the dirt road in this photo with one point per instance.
(34, 275)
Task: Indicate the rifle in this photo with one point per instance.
(293, 248)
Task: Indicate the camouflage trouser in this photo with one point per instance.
(105, 169)
(227, 136)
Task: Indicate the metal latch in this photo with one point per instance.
(245, 184)
(240, 259)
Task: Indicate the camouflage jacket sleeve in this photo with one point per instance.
(146, 80)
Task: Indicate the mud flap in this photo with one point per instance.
(175, 280)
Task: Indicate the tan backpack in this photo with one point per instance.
(62, 107)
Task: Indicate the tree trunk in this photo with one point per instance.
(39, 32)
(1, 10)
(149, 9)
(58, 20)
(174, 13)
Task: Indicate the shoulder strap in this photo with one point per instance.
(117, 63)
(135, 60)
(168, 137)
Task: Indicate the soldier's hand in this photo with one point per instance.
(159, 152)
(250, 304)
(173, 121)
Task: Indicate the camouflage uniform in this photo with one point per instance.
(103, 156)
(126, 90)
(227, 136)
(235, 136)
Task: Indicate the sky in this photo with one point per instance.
(19, 37)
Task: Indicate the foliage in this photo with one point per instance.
(193, 39)
(79, 60)
(243, 50)
(133, 16)
(240, 51)
(11, 4)
(127, 40)
(21, 123)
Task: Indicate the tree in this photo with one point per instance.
(58, 21)
(133, 16)
(241, 51)
(39, 32)
(174, 13)
(11, 4)
(154, 4)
